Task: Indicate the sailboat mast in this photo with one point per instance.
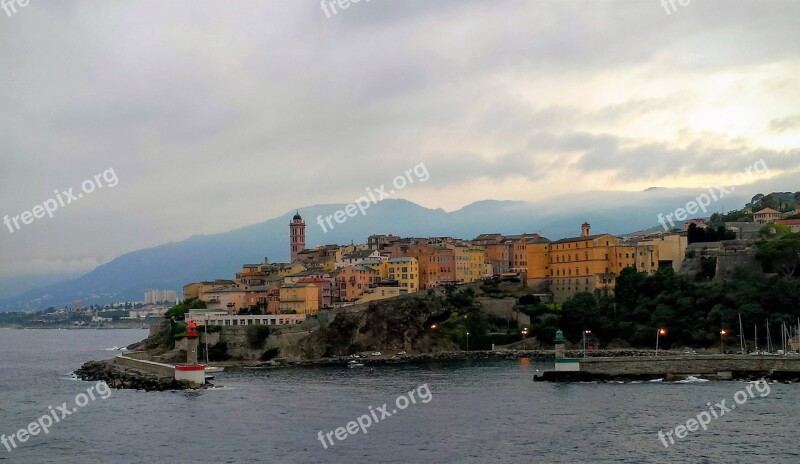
(755, 333)
(741, 333)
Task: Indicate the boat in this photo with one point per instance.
(353, 364)
(210, 369)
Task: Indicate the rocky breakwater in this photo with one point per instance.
(125, 378)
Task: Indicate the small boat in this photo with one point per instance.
(354, 363)
(214, 369)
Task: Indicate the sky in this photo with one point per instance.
(196, 117)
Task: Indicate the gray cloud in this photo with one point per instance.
(215, 117)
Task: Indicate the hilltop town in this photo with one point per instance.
(387, 266)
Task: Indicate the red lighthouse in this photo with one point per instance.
(192, 343)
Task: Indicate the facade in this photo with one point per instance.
(196, 289)
(200, 317)
(766, 216)
(469, 263)
(299, 298)
(671, 249)
(353, 281)
(325, 286)
(537, 251)
(359, 257)
(591, 263)
(297, 236)
(160, 296)
(429, 267)
(446, 258)
(496, 253)
(405, 271)
(233, 299)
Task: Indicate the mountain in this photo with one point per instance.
(207, 257)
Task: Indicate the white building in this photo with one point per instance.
(159, 296)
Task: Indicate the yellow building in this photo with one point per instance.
(671, 249)
(470, 263)
(299, 298)
(592, 262)
(405, 271)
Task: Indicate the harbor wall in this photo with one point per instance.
(150, 367)
(697, 364)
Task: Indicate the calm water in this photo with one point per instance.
(480, 412)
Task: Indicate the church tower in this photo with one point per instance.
(297, 235)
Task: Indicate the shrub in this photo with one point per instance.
(257, 336)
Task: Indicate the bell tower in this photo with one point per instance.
(297, 235)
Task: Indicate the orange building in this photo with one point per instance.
(537, 251)
(447, 263)
(429, 267)
(498, 254)
(592, 262)
(353, 281)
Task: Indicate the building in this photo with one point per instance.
(359, 257)
(446, 258)
(353, 281)
(591, 263)
(297, 236)
(299, 298)
(429, 266)
(537, 259)
(469, 263)
(766, 216)
(326, 287)
(160, 296)
(213, 317)
(234, 299)
(792, 224)
(405, 271)
(496, 253)
(518, 255)
(671, 249)
(195, 290)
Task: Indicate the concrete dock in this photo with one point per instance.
(713, 367)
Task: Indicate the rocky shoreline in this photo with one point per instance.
(121, 378)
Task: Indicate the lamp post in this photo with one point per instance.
(722, 334)
(467, 341)
(659, 333)
(585, 336)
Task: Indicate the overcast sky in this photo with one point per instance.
(215, 115)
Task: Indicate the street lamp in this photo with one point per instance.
(585, 336)
(659, 333)
(722, 334)
(467, 341)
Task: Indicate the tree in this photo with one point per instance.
(782, 255)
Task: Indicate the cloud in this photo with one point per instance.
(218, 117)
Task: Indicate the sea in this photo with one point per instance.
(436, 412)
